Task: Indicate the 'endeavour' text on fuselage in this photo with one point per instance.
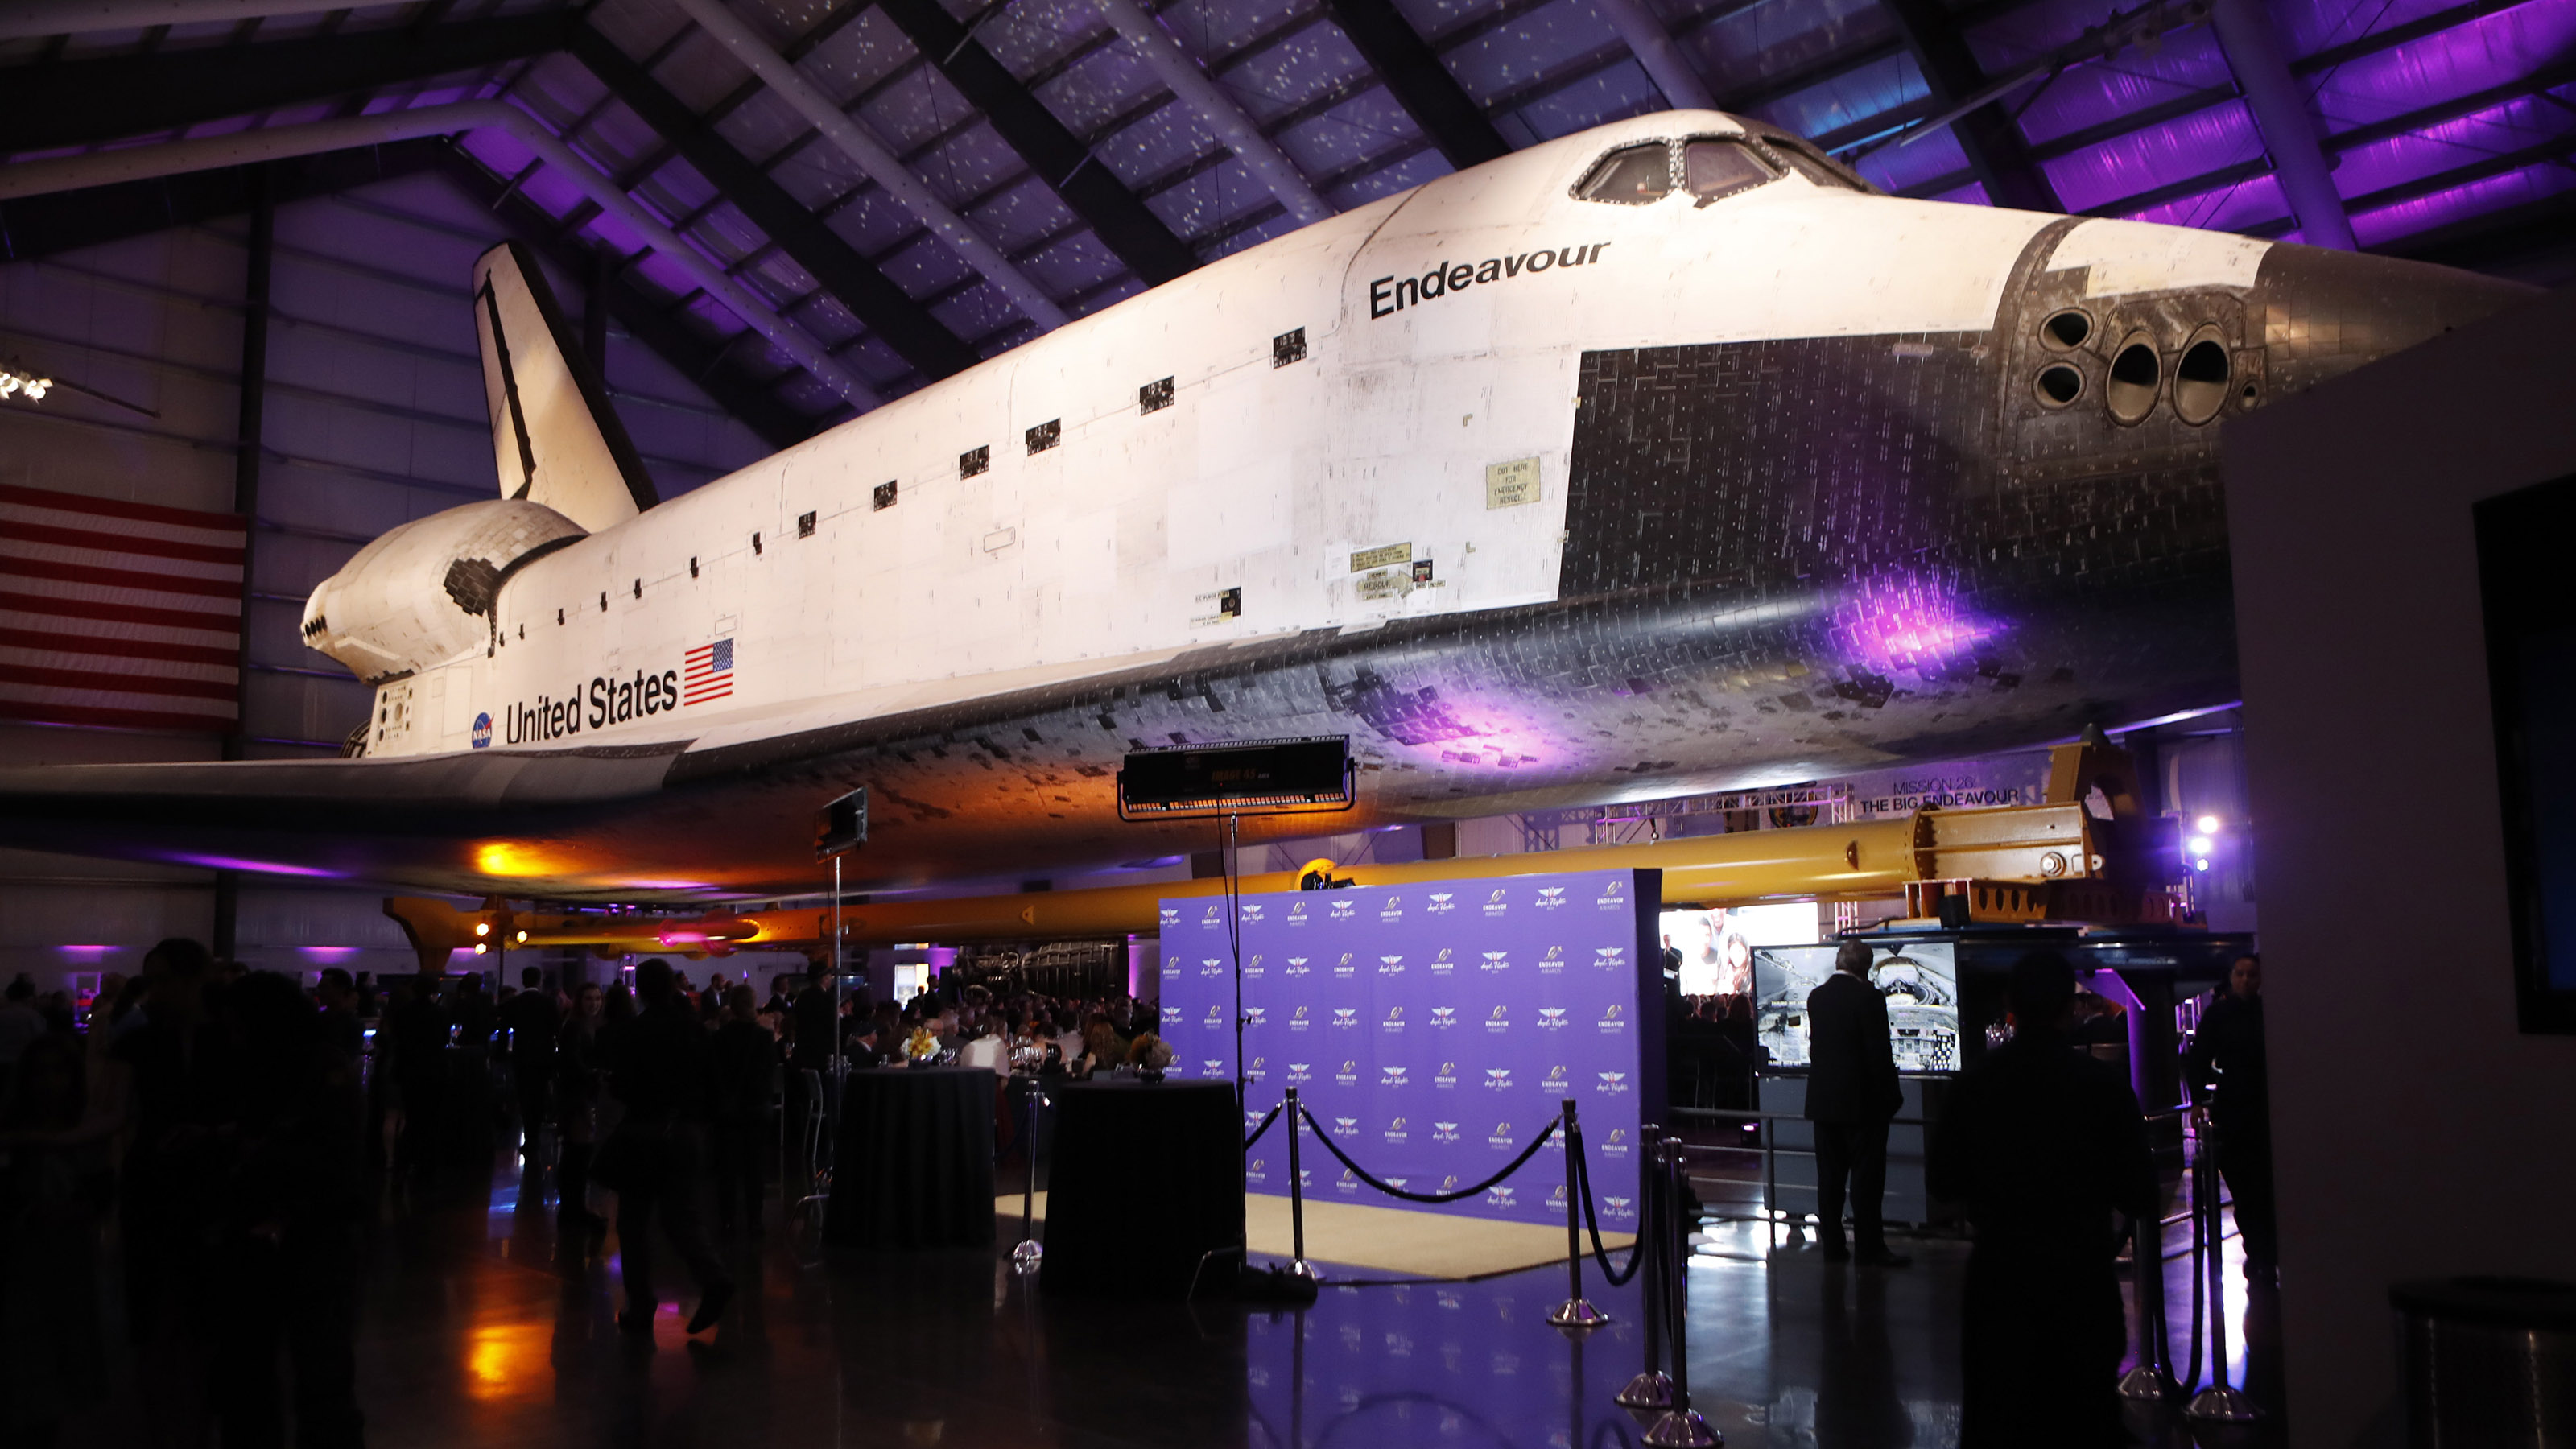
(1390, 295)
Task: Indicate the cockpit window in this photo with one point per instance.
(1632, 175)
(1715, 169)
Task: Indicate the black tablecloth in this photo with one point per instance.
(1146, 1179)
(914, 1164)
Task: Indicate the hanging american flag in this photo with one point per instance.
(117, 613)
(707, 673)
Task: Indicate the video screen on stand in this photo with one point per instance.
(1920, 982)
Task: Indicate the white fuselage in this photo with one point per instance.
(1413, 431)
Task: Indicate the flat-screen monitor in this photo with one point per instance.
(1920, 982)
(1716, 947)
(2531, 676)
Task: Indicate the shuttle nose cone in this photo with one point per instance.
(2318, 313)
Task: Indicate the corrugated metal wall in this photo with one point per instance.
(374, 417)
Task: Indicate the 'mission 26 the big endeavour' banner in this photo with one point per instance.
(1434, 1030)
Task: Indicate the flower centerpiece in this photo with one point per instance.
(922, 1046)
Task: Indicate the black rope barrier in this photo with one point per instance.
(1264, 1127)
(1364, 1175)
(1592, 1222)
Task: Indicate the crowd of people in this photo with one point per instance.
(210, 1131)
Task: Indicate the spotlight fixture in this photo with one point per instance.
(482, 928)
(2197, 845)
(17, 381)
(2200, 865)
(523, 938)
(2207, 824)
(480, 948)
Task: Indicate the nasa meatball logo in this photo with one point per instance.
(483, 731)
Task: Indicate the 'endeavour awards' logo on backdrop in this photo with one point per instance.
(1172, 968)
(1345, 966)
(1495, 905)
(1395, 1136)
(1348, 1076)
(1499, 1019)
(1393, 910)
(1444, 963)
(1394, 1019)
(1614, 894)
(1297, 1019)
(1447, 1076)
(1554, 1082)
(1253, 969)
(1255, 1072)
(1213, 921)
(1614, 1020)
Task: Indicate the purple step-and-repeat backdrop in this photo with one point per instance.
(1434, 1030)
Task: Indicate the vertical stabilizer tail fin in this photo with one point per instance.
(555, 437)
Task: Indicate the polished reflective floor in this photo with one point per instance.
(479, 1328)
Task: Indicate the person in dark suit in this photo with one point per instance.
(2044, 1145)
(1851, 1094)
(659, 1069)
(2231, 1079)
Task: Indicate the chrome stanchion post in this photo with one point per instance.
(1574, 1315)
(1681, 1427)
(1297, 1192)
(1026, 1256)
(1650, 1392)
(2219, 1403)
(2150, 1379)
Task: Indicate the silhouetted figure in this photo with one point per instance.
(285, 1213)
(2229, 1076)
(337, 995)
(656, 1158)
(416, 1026)
(745, 1060)
(52, 1188)
(532, 1021)
(2045, 1146)
(580, 1069)
(1851, 1093)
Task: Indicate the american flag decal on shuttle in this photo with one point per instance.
(707, 673)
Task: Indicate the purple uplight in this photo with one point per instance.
(84, 950)
(1914, 627)
(258, 867)
(329, 953)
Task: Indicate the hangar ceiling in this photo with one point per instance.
(911, 185)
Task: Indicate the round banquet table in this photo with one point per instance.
(913, 1166)
(1146, 1179)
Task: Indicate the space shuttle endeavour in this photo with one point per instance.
(1660, 458)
